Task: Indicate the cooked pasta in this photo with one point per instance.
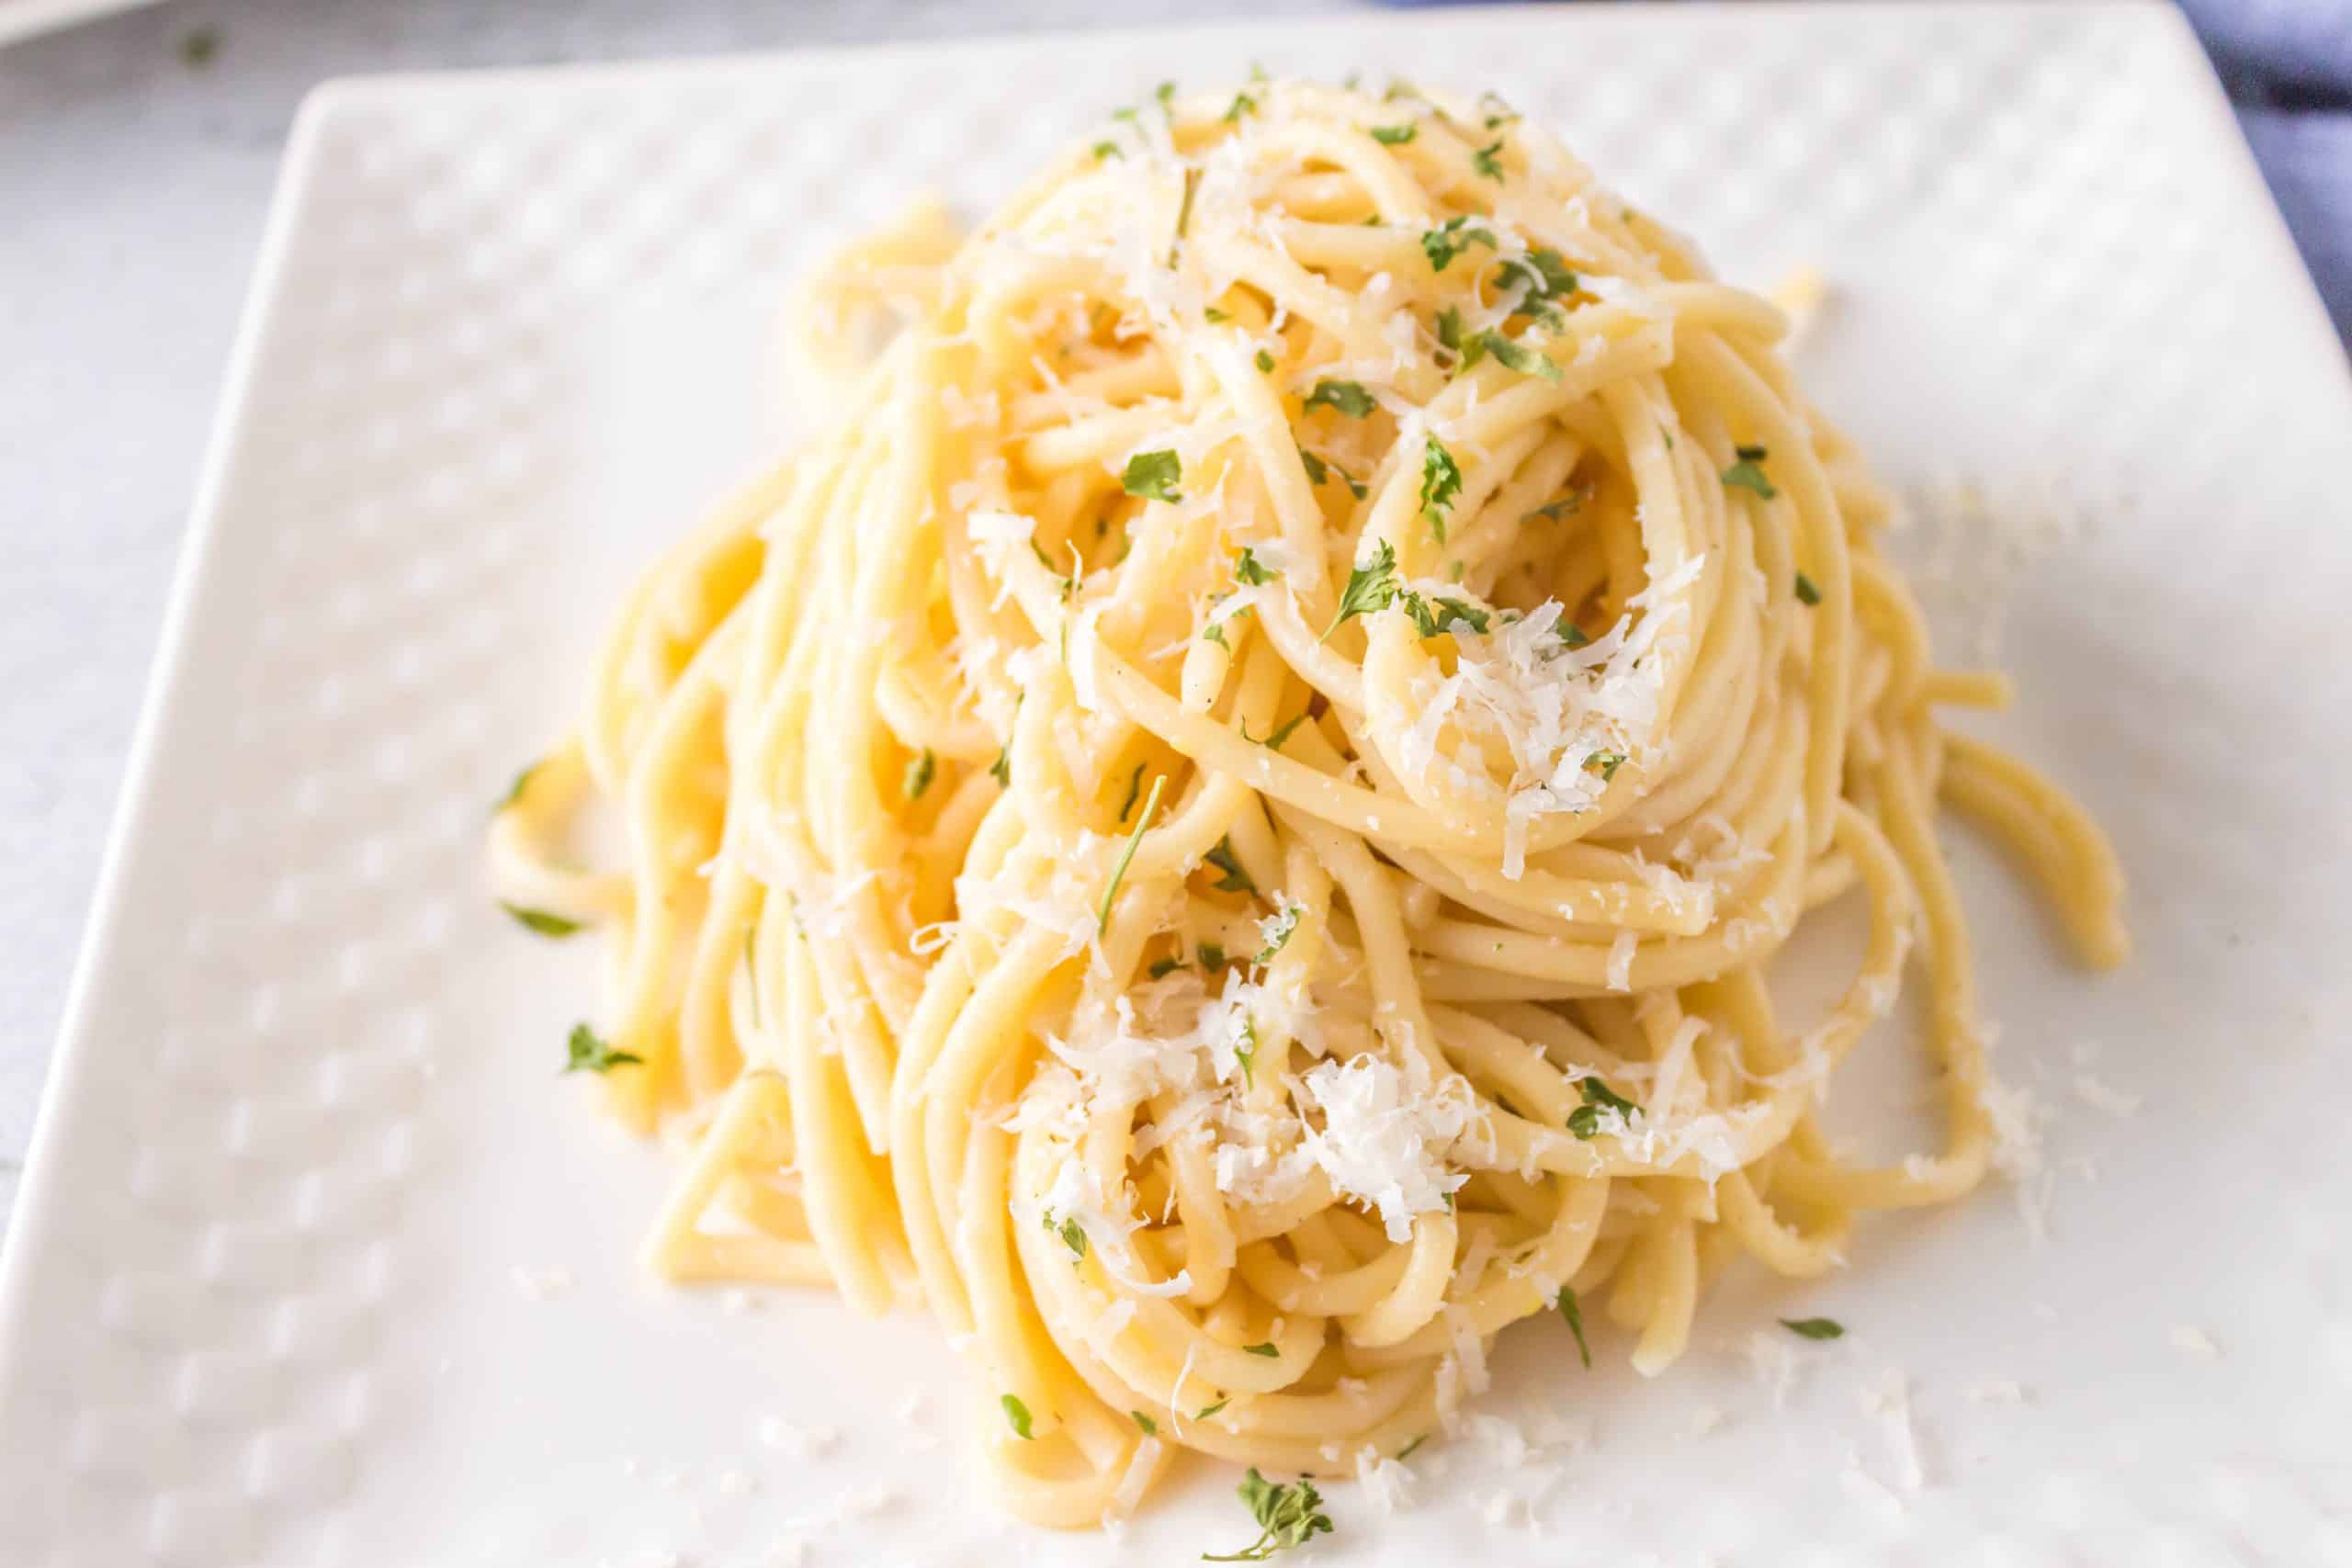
(1218, 827)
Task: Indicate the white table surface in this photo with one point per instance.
(133, 187)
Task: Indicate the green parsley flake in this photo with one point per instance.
(1440, 483)
(1183, 212)
(590, 1053)
(1605, 763)
(1806, 593)
(1134, 788)
(1517, 357)
(921, 771)
(1018, 1414)
(1431, 617)
(1349, 397)
(1584, 1120)
(1277, 930)
(1213, 957)
(1154, 476)
(1486, 162)
(1243, 104)
(1002, 769)
(1163, 967)
(1814, 1327)
(1144, 1423)
(1266, 1350)
(539, 920)
(1245, 1056)
(1287, 1517)
(523, 779)
(1748, 472)
(1236, 879)
(1252, 570)
(1316, 472)
(1449, 239)
(1496, 111)
(1573, 1315)
(1449, 329)
(1395, 135)
(1265, 362)
(1282, 732)
(1370, 586)
(1150, 805)
(1208, 1410)
(1214, 316)
(1104, 150)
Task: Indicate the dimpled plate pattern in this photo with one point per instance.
(317, 1263)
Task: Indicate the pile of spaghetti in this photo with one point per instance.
(1218, 827)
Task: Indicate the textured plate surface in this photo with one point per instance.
(318, 1264)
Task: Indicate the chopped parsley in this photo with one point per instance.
(1243, 104)
(1214, 316)
(1449, 329)
(1165, 92)
(1104, 150)
(1163, 967)
(1349, 397)
(1486, 162)
(1252, 570)
(1213, 959)
(1571, 634)
(1317, 473)
(1573, 1315)
(1134, 788)
(1245, 1056)
(1510, 354)
(1002, 769)
(1605, 763)
(1265, 362)
(539, 920)
(1748, 472)
(1449, 239)
(1287, 1517)
(1150, 805)
(1497, 112)
(1072, 1234)
(523, 779)
(1433, 617)
(1282, 732)
(1370, 586)
(1266, 1348)
(1183, 212)
(1806, 593)
(1814, 1327)
(1154, 476)
(1395, 135)
(1018, 1414)
(590, 1053)
(1236, 879)
(1440, 483)
(1144, 1423)
(1544, 275)
(1584, 1120)
(1552, 512)
(921, 771)
(1208, 1410)
(1277, 931)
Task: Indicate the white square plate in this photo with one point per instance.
(317, 1262)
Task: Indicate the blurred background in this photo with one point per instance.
(138, 147)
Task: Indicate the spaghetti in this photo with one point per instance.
(1219, 828)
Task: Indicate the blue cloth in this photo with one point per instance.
(2288, 64)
